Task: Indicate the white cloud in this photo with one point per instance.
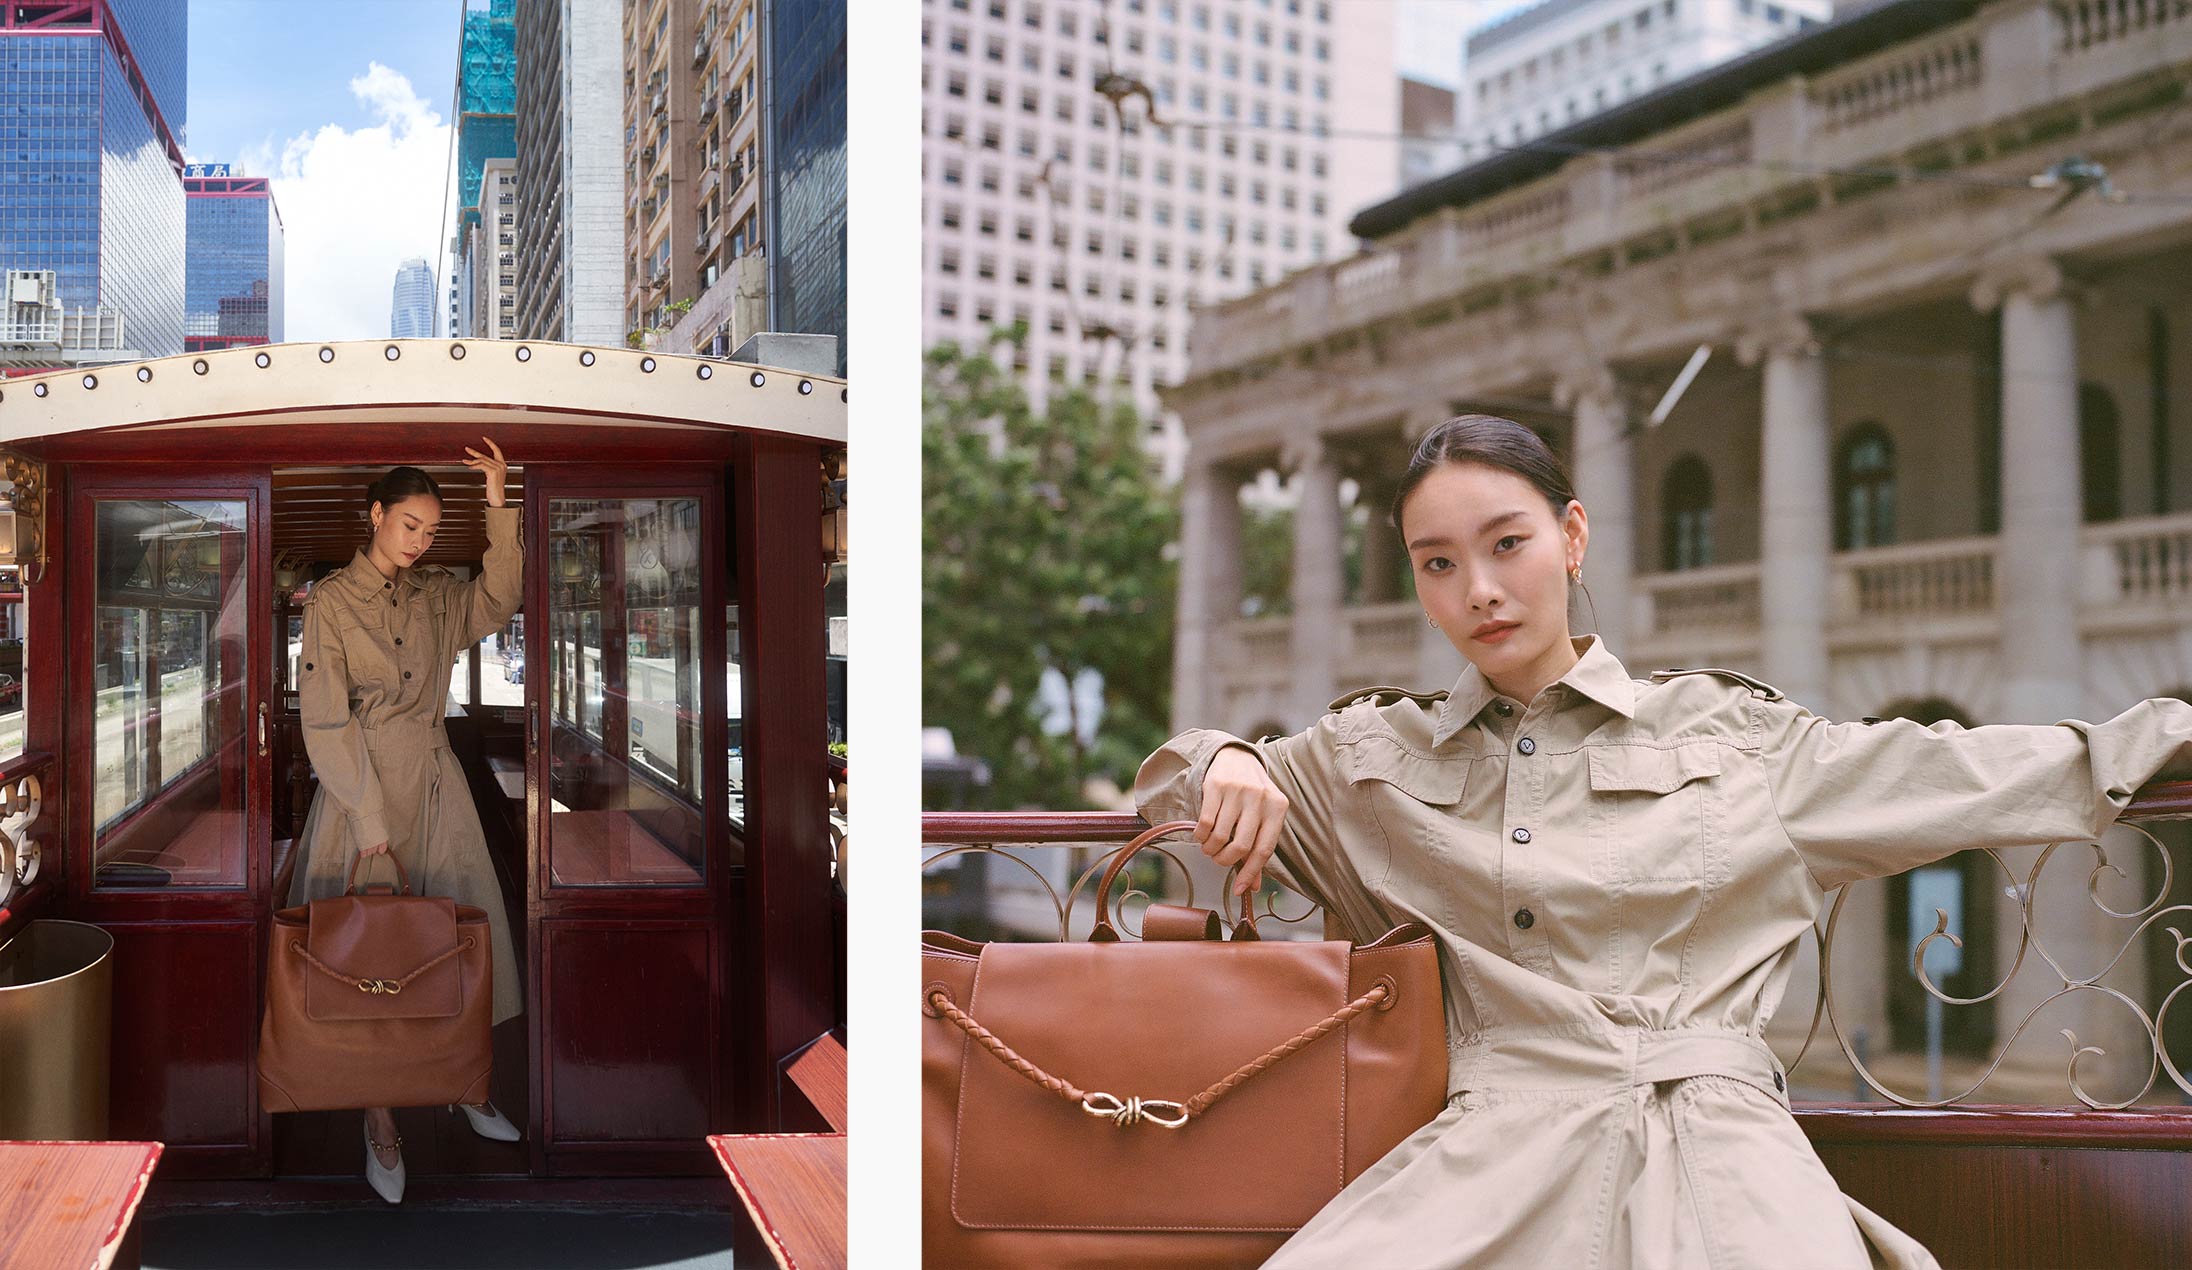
(355, 205)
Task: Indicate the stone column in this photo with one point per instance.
(2042, 496)
(1796, 515)
(1605, 483)
(2037, 580)
(1318, 581)
(1209, 598)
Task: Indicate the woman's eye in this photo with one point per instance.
(1502, 542)
(1437, 564)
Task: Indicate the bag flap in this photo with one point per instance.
(382, 938)
(1153, 1020)
(1643, 767)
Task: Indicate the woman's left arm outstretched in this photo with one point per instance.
(486, 603)
(1862, 800)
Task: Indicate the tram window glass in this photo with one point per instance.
(734, 705)
(502, 666)
(12, 692)
(624, 615)
(169, 732)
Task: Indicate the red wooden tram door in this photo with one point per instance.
(167, 763)
(632, 802)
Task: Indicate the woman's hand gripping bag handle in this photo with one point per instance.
(1110, 1102)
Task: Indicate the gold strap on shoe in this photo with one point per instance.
(383, 1146)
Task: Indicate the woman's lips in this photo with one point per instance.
(1496, 636)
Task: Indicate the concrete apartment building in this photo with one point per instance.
(1226, 165)
(570, 172)
(1554, 63)
(1937, 464)
(728, 228)
(492, 243)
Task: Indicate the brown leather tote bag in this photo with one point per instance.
(1183, 1101)
(377, 998)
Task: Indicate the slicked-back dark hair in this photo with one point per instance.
(399, 484)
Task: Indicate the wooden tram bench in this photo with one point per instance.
(73, 1203)
(1981, 1186)
(793, 1184)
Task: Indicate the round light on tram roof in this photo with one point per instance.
(524, 354)
(456, 352)
(757, 379)
(198, 367)
(91, 381)
(586, 358)
(706, 371)
(263, 360)
(392, 352)
(144, 374)
(38, 390)
(806, 387)
(326, 354)
(646, 365)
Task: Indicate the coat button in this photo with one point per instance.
(1526, 745)
(308, 665)
(1502, 709)
(1522, 835)
(1780, 1084)
(399, 641)
(407, 674)
(388, 586)
(1525, 918)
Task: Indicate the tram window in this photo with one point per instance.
(502, 666)
(169, 732)
(12, 693)
(624, 650)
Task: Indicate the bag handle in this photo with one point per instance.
(1105, 933)
(351, 883)
(1165, 1112)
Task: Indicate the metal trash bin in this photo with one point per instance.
(56, 1011)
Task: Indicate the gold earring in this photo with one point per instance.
(1575, 574)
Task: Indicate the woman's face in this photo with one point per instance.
(1491, 565)
(403, 530)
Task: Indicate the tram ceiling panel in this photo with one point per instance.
(472, 383)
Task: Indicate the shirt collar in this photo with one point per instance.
(1597, 674)
(367, 578)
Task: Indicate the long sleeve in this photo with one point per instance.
(486, 603)
(1862, 800)
(1310, 856)
(332, 738)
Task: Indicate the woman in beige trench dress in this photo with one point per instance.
(1619, 873)
(373, 674)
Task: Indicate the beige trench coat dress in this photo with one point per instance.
(1619, 874)
(372, 680)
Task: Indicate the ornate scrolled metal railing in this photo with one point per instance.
(22, 803)
(1008, 836)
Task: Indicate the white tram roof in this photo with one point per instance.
(473, 383)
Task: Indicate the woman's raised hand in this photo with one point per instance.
(1242, 812)
(493, 466)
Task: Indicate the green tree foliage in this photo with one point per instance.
(1045, 546)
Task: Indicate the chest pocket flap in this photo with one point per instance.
(1658, 771)
(1427, 780)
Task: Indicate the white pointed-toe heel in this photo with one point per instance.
(387, 1183)
(492, 1125)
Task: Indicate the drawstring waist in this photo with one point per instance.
(1519, 1060)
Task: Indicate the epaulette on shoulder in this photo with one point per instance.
(1385, 695)
(1759, 686)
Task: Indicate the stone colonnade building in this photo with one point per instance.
(1937, 463)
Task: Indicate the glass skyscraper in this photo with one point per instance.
(411, 311)
(233, 277)
(487, 128)
(806, 167)
(91, 162)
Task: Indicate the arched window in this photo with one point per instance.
(1864, 489)
(1685, 517)
(1964, 885)
(2099, 466)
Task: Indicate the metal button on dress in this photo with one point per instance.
(407, 674)
(388, 586)
(1526, 745)
(1522, 835)
(1780, 1084)
(1502, 709)
(1525, 918)
(399, 640)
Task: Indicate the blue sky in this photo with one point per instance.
(262, 71)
